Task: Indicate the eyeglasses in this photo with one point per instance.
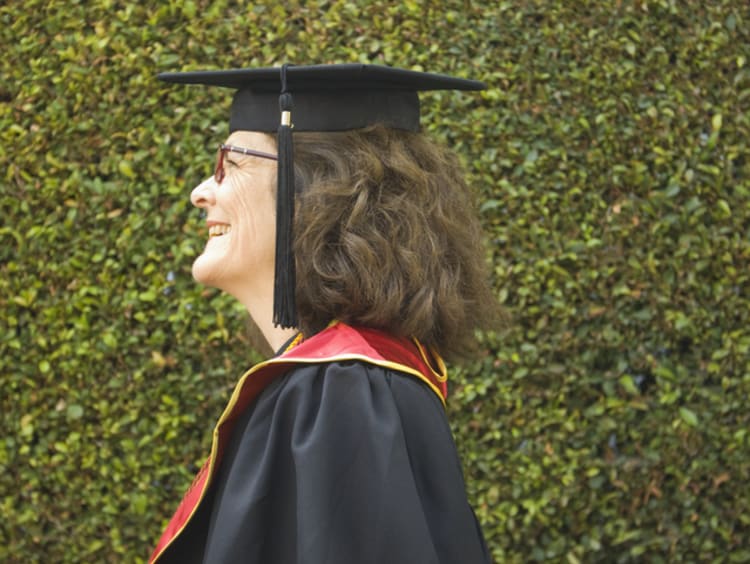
(219, 172)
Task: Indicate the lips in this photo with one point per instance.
(218, 229)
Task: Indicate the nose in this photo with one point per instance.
(203, 195)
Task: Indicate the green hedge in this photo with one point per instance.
(611, 151)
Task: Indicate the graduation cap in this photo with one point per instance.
(337, 97)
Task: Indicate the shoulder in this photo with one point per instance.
(356, 379)
(369, 352)
(350, 397)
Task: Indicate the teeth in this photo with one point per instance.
(217, 230)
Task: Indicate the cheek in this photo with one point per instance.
(255, 218)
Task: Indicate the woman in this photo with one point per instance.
(337, 449)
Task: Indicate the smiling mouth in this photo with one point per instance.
(218, 230)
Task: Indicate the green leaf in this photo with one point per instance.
(689, 416)
(74, 411)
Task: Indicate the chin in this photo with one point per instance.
(208, 271)
(231, 269)
(211, 266)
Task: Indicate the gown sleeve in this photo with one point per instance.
(342, 463)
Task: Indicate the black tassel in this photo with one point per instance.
(284, 303)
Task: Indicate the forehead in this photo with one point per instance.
(252, 140)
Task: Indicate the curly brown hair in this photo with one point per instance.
(387, 236)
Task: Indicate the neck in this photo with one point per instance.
(259, 304)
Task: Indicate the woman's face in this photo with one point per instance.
(241, 219)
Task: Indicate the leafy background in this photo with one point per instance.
(609, 424)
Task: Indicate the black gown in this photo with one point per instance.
(337, 463)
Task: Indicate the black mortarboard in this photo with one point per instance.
(324, 98)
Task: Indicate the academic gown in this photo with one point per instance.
(336, 463)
